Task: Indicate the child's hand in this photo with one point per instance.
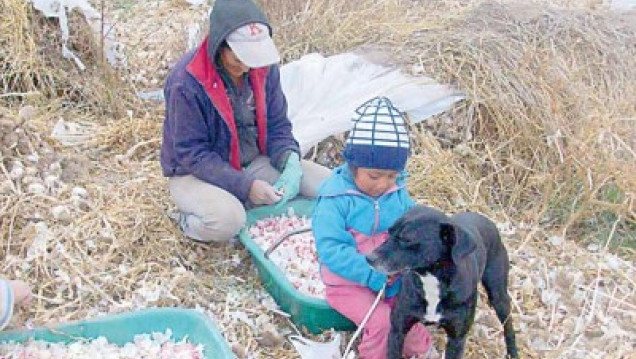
(393, 285)
(21, 292)
(12, 294)
(392, 278)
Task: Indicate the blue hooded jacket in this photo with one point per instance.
(348, 224)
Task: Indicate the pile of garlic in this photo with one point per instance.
(143, 346)
(296, 256)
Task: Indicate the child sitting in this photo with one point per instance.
(355, 208)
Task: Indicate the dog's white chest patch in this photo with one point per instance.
(430, 285)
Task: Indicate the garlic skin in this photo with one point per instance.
(36, 188)
(61, 213)
(17, 171)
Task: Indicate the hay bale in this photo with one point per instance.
(19, 57)
(332, 26)
(550, 107)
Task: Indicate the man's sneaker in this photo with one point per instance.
(177, 217)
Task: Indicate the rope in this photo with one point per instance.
(364, 321)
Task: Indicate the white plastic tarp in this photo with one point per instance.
(323, 92)
(60, 8)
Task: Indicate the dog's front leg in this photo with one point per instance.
(400, 325)
(457, 323)
(455, 347)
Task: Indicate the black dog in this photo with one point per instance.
(442, 259)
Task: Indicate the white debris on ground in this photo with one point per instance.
(33, 166)
(144, 346)
(70, 133)
(61, 8)
(296, 256)
(622, 5)
(151, 43)
(568, 302)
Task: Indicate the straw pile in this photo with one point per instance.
(31, 67)
(544, 144)
(548, 128)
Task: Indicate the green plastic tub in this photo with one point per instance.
(314, 314)
(121, 328)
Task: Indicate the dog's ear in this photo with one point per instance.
(465, 279)
(459, 241)
(447, 233)
(397, 226)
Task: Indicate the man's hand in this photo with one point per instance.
(262, 192)
(289, 181)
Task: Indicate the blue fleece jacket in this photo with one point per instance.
(347, 224)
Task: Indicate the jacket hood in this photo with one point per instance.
(342, 182)
(227, 16)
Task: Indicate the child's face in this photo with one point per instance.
(374, 182)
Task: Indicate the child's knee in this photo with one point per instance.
(380, 321)
(418, 341)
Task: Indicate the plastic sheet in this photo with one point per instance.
(309, 349)
(59, 9)
(322, 93)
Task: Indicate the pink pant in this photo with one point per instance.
(354, 302)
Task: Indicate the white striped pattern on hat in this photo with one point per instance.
(379, 124)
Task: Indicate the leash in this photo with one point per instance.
(364, 321)
(347, 351)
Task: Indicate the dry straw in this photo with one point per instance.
(550, 110)
(31, 64)
(545, 141)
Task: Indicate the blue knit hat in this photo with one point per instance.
(379, 138)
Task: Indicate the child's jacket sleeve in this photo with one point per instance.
(336, 247)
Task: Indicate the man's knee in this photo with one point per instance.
(216, 227)
(313, 176)
(230, 223)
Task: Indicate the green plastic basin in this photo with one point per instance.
(314, 314)
(121, 328)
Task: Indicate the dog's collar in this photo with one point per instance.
(447, 263)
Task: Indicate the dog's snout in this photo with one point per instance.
(377, 262)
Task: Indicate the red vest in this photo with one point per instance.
(203, 69)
